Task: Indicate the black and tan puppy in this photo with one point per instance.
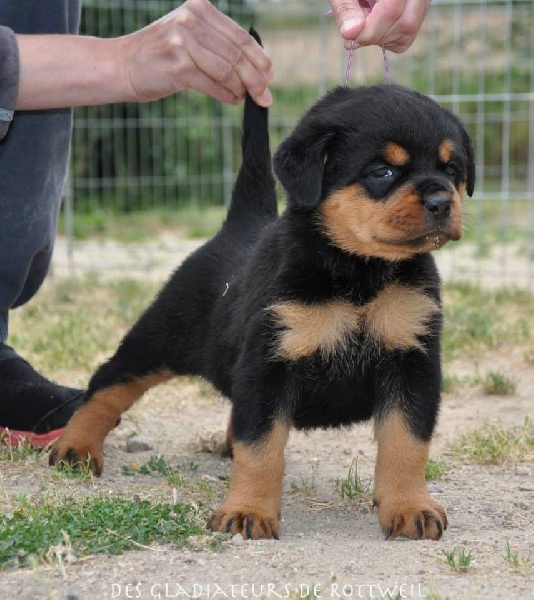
(325, 316)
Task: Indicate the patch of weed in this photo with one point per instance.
(449, 383)
(492, 443)
(514, 559)
(155, 465)
(354, 487)
(19, 451)
(459, 560)
(496, 384)
(99, 525)
(205, 487)
(307, 485)
(66, 470)
(477, 320)
(48, 332)
(436, 469)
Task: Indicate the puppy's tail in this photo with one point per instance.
(254, 194)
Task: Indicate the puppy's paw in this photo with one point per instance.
(251, 524)
(418, 517)
(77, 454)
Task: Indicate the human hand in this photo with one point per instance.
(195, 47)
(392, 23)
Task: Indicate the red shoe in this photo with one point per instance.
(38, 441)
(32, 407)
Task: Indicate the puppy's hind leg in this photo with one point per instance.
(83, 438)
(113, 389)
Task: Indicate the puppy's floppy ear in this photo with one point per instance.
(299, 164)
(469, 153)
(470, 161)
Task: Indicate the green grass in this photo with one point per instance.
(436, 469)
(75, 324)
(19, 453)
(155, 465)
(79, 470)
(459, 560)
(492, 443)
(353, 487)
(516, 560)
(450, 382)
(493, 383)
(497, 384)
(477, 320)
(99, 525)
(187, 221)
(486, 225)
(307, 485)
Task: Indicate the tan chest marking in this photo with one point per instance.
(394, 319)
(308, 328)
(398, 315)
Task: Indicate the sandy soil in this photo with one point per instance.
(330, 547)
(327, 542)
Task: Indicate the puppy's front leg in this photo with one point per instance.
(403, 502)
(253, 504)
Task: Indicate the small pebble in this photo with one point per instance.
(138, 444)
(522, 471)
(237, 540)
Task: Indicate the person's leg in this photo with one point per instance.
(33, 163)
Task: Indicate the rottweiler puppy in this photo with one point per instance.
(327, 315)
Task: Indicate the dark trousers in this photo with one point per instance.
(33, 164)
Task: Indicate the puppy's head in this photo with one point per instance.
(384, 169)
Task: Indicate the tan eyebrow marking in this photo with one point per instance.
(446, 151)
(396, 155)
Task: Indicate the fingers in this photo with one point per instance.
(392, 23)
(224, 53)
(234, 59)
(350, 17)
(233, 34)
(201, 69)
(197, 47)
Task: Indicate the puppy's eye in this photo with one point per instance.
(451, 170)
(382, 173)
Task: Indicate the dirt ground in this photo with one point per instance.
(329, 547)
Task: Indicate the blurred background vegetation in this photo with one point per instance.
(173, 162)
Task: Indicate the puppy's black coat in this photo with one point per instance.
(325, 316)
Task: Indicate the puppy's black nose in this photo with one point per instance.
(438, 205)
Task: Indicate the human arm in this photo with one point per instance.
(195, 46)
(9, 76)
(393, 23)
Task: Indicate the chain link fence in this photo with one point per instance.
(146, 179)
